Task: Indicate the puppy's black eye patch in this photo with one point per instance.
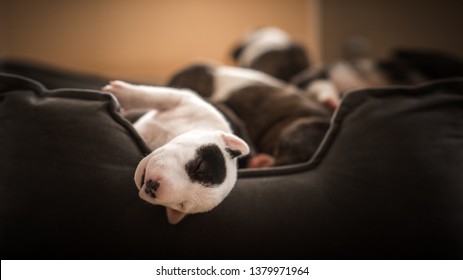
(208, 167)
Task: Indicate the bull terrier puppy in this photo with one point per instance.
(283, 126)
(273, 51)
(215, 82)
(193, 164)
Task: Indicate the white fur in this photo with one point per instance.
(346, 78)
(368, 69)
(261, 41)
(324, 91)
(228, 79)
(179, 123)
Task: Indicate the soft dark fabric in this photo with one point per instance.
(386, 183)
(56, 77)
(52, 77)
(430, 64)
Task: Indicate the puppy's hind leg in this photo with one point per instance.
(146, 97)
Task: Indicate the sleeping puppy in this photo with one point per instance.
(282, 125)
(272, 51)
(329, 83)
(215, 82)
(193, 164)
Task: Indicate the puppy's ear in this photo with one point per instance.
(235, 146)
(174, 216)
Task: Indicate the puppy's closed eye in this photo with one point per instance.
(196, 167)
(208, 167)
(199, 166)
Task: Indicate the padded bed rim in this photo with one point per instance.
(81, 94)
(349, 103)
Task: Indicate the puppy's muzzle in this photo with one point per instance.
(151, 187)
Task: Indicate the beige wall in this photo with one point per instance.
(149, 39)
(142, 39)
(392, 23)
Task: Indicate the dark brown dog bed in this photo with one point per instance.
(386, 183)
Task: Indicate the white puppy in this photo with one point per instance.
(193, 164)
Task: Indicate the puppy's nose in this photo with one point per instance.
(151, 187)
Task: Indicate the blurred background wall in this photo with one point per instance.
(381, 25)
(149, 39)
(142, 39)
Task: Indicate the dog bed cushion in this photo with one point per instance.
(386, 182)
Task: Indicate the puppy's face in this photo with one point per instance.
(192, 173)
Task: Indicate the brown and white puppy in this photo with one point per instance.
(329, 83)
(272, 51)
(215, 82)
(193, 164)
(283, 126)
